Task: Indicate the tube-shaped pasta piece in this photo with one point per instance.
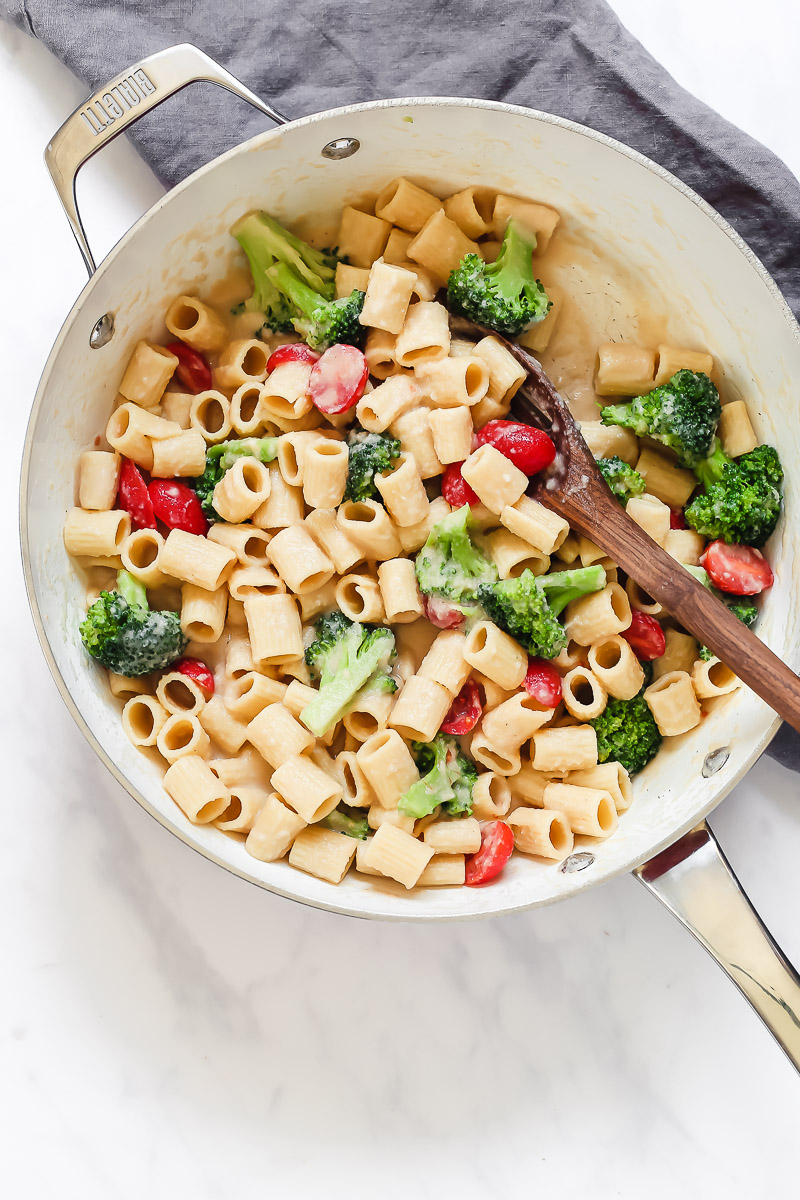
(664, 479)
(598, 615)
(387, 297)
(96, 534)
(444, 870)
(397, 854)
(624, 369)
(735, 429)
(535, 524)
(471, 209)
(179, 693)
(380, 351)
(453, 382)
(176, 406)
(248, 544)
(651, 514)
(242, 489)
(142, 720)
(362, 237)
(236, 618)
(541, 831)
(513, 721)
(406, 204)
(124, 687)
(284, 397)
(496, 655)
(396, 251)
(527, 787)
(425, 336)
(506, 376)
(670, 359)
(349, 279)
(183, 455)
(673, 703)
(588, 810)
(502, 760)
(412, 537)
(196, 789)
(416, 438)
(284, 505)
(403, 491)
(368, 524)
(210, 415)
(642, 601)
(181, 735)
(274, 830)
(491, 796)
(239, 658)
(99, 478)
(539, 219)
(608, 441)
(131, 430)
(399, 592)
(617, 668)
(445, 663)
(273, 623)
(242, 361)
(359, 598)
(357, 792)
(378, 409)
(571, 748)
(609, 777)
(298, 560)
(511, 555)
(196, 323)
(246, 409)
(254, 581)
(462, 836)
(325, 473)
(310, 791)
(343, 553)
(240, 815)
(292, 449)
(419, 709)
(147, 374)
(323, 853)
(277, 735)
(497, 482)
(440, 246)
(194, 559)
(220, 724)
(680, 652)
(247, 768)
(487, 410)
(685, 546)
(369, 714)
(583, 693)
(388, 766)
(377, 816)
(452, 433)
(589, 552)
(712, 678)
(246, 695)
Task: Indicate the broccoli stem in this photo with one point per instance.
(710, 470)
(265, 241)
(561, 587)
(335, 697)
(301, 295)
(514, 262)
(132, 590)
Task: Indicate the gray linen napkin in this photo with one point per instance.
(569, 57)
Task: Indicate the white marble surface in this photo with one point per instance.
(167, 1030)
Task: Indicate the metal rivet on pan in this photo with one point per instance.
(341, 148)
(102, 333)
(576, 862)
(715, 761)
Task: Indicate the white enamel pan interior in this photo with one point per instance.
(637, 217)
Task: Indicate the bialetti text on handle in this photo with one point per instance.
(113, 104)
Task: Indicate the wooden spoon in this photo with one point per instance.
(574, 488)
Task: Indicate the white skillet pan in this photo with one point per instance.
(639, 216)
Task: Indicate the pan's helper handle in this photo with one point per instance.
(695, 881)
(121, 102)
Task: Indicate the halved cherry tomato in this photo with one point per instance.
(296, 352)
(440, 613)
(177, 506)
(497, 843)
(740, 570)
(543, 682)
(455, 488)
(192, 370)
(646, 636)
(198, 671)
(465, 711)
(134, 496)
(338, 379)
(528, 448)
(676, 519)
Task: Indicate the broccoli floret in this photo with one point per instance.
(122, 633)
(450, 564)
(220, 458)
(504, 295)
(741, 606)
(319, 320)
(627, 733)
(266, 243)
(528, 607)
(368, 455)
(351, 821)
(346, 658)
(623, 480)
(448, 777)
(681, 414)
(742, 497)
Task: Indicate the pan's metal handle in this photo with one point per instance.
(121, 102)
(694, 879)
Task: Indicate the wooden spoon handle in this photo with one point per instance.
(693, 605)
